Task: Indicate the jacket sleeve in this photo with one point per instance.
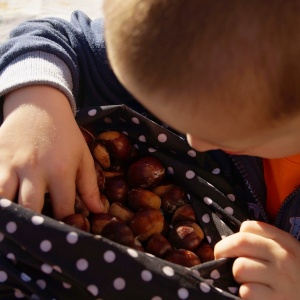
(70, 56)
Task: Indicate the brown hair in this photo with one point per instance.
(232, 49)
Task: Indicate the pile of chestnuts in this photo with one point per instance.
(144, 209)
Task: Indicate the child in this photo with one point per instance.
(223, 73)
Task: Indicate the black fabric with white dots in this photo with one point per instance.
(41, 258)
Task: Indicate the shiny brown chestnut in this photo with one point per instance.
(118, 145)
(78, 221)
(146, 222)
(100, 154)
(183, 257)
(186, 235)
(173, 199)
(121, 211)
(184, 213)
(205, 252)
(158, 245)
(100, 176)
(118, 232)
(146, 172)
(98, 221)
(116, 189)
(140, 198)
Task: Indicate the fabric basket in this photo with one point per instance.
(42, 258)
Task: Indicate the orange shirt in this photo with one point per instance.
(282, 176)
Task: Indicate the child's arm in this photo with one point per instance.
(43, 150)
(268, 261)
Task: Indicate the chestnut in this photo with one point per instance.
(116, 189)
(158, 245)
(183, 257)
(146, 222)
(118, 145)
(184, 213)
(205, 252)
(100, 154)
(105, 202)
(98, 221)
(119, 210)
(173, 199)
(78, 221)
(146, 172)
(100, 176)
(113, 173)
(186, 235)
(162, 189)
(118, 232)
(140, 198)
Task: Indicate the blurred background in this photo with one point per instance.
(13, 12)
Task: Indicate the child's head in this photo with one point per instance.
(226, 72)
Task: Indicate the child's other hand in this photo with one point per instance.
(268, 262)
(42, 150)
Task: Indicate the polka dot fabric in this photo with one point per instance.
(41, 258)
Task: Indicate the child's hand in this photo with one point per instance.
(268, 263)
(42, 150)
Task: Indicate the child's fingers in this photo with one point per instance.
(87, 185)
(63, 193)
(254, 291)
(32, 191)
(8, 183)
(244, 245)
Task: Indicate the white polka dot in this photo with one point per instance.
(37, 220)
(170, 170)
(11, 256)
(216, 171)
(231, 197)
(135, 120)
(209, 281)
(72, 237)
(25, 277)
(19, 294)
(46, 268)
(93, 289)
(196, 272)
(109, 256)
(192, 153)
(228, 210)
(34, 297)
(156, 298)
(1, 236)
(215, 274)
(119, 283)
(190, 174)
(206, 218)
(205, 288)
(233, 289)
(152, 150)
(66, 285)
(92, 112)
(5, 203)
(183, 293)
(82, 264)
(132, 252)
(146, 275)
(142, 138)
(162, 138)
(11, 227)
(168, 271)
(3, 276)
(107, 120)
(41, 283)
(136, 146)
(45, 246)
(207, 200)
(208, 239)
